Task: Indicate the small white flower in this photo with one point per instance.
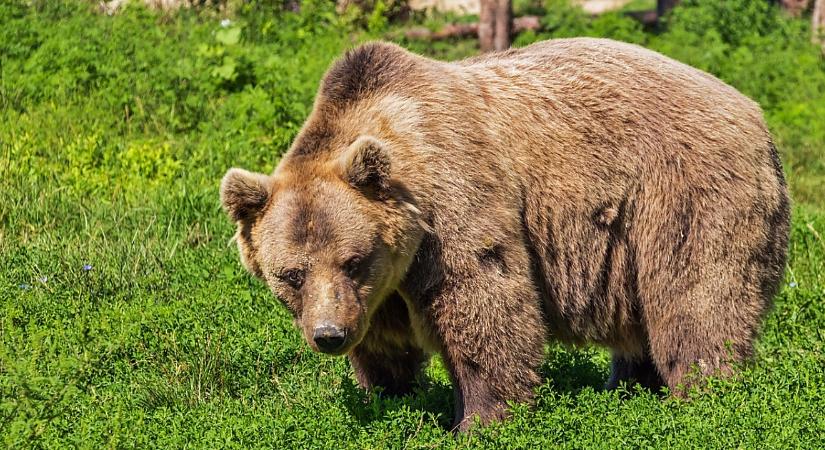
(225, 23)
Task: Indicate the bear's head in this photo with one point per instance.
(332, 237)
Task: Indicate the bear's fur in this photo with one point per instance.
(581, 190)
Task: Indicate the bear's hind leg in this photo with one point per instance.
(702, 321)
(632, 369)
(687, 347)
(705, 278)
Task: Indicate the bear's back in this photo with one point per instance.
(624, 87)
(597, 110)
(574, 61)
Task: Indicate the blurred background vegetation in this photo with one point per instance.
(126, 321)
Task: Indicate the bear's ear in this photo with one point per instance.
(365, 165)
(244, 193)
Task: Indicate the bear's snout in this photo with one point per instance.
(329, 338)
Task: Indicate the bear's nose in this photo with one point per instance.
(329, 338)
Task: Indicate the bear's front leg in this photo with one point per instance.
(388, 357)
(492, 339)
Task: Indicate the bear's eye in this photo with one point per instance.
(354, 266)
(292, 277)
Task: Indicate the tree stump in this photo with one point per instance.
(494, 26)
(795, 7)
(818, 24)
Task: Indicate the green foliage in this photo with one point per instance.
(377, 22)
(126, 320)
(562, 19)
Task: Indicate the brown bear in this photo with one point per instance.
(580, 190)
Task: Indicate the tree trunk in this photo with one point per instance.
(818, 23)
(795, 7)
(486, 25)
(504, 12)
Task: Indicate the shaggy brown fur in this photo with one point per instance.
(581, 190)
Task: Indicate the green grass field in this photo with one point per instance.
(126, 319)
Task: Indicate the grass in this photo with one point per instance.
(127, 321)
